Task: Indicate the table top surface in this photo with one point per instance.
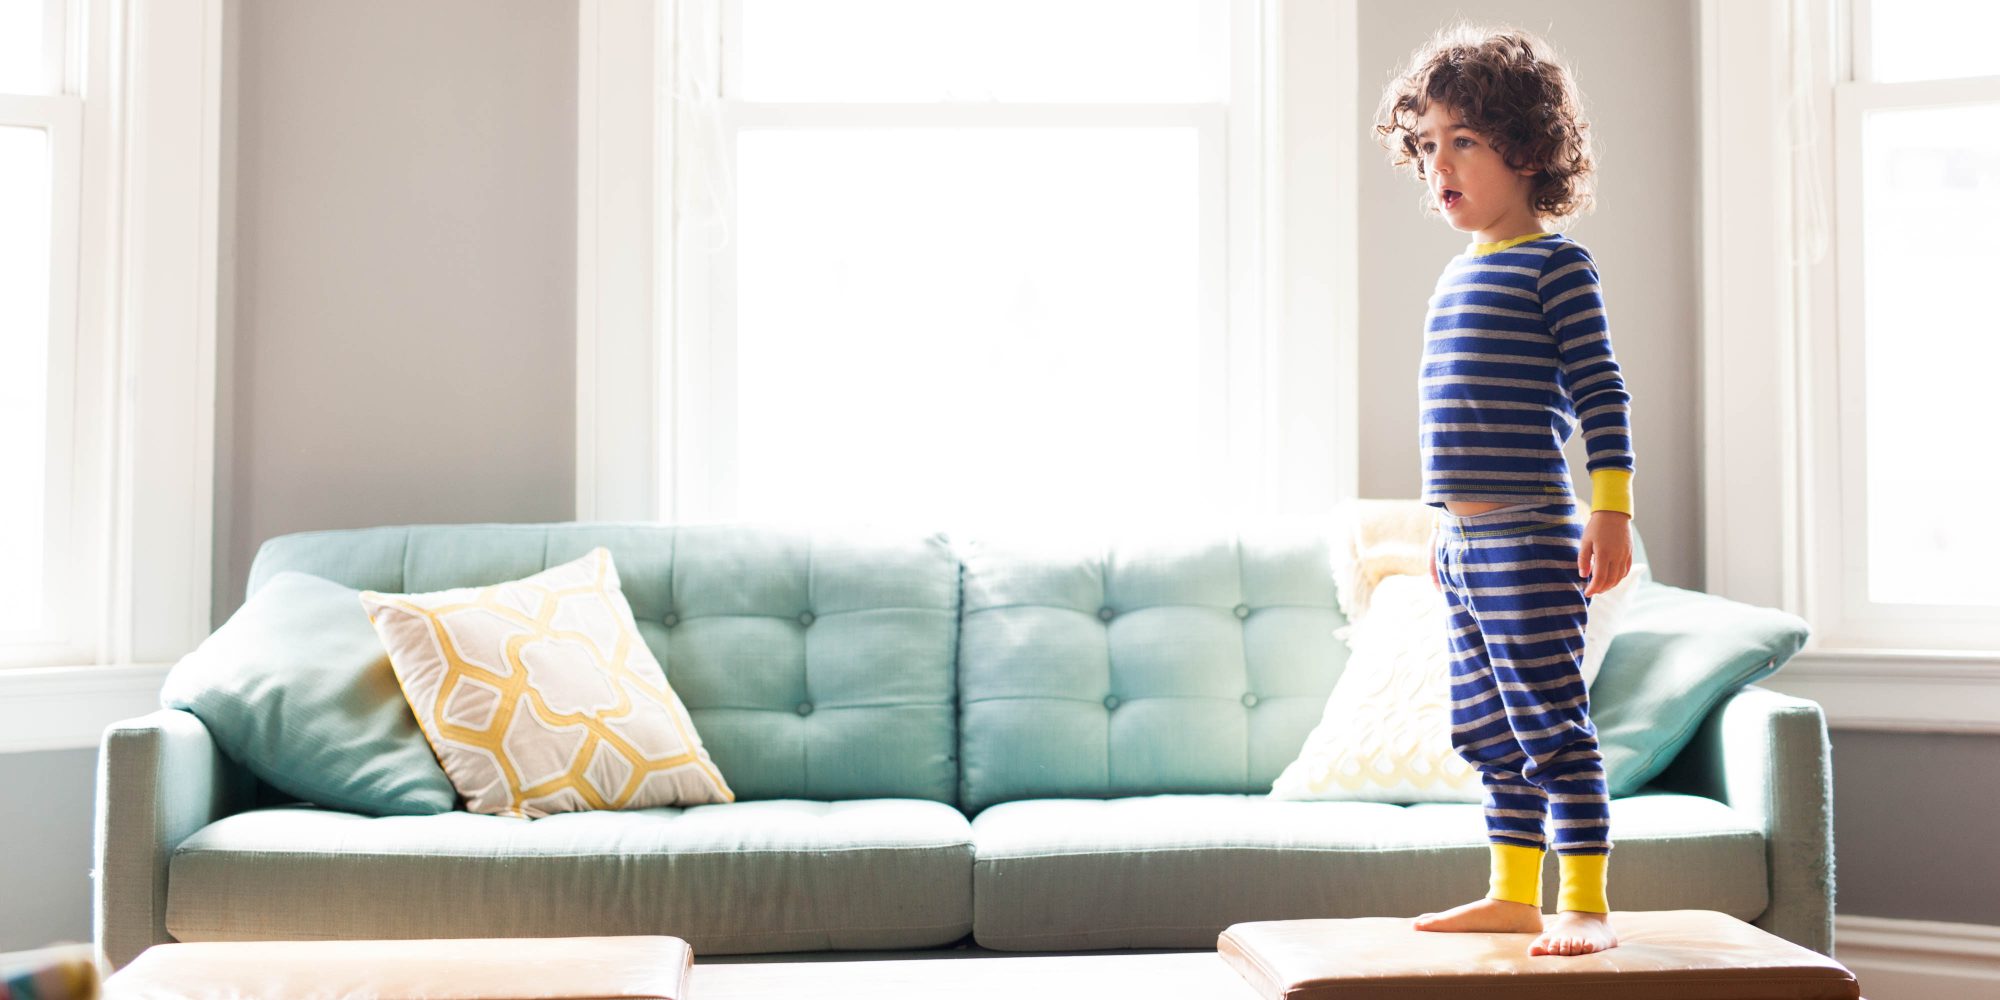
(1189, 975)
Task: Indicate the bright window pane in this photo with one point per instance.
(981, 50)
(956, 325)
(21, 34)
(24, 369)
(1930, 189)
(1934, 39)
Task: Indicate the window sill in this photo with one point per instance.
(1897, 690)
(68, 708)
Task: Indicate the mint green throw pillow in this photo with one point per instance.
(297, 688)
(1678, 653)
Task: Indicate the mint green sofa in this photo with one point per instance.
(1036, 745)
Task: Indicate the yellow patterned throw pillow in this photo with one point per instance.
(539, 696)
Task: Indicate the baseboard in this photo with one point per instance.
(1919, 959)
(68, 708)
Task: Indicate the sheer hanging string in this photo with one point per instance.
(705, 182)
(1808, 135)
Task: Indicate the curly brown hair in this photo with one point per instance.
(1507, 85)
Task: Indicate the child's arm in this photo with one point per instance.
(1573, 306)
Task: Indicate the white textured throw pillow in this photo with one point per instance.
(1607, 615)
(1386, 733)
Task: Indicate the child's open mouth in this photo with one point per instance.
(1449, 197)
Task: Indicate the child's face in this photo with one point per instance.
(1470, 181)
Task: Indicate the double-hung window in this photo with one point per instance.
(45, 571)
(965, 263)
(1907, 345)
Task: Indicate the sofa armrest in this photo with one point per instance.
(1767, 755)
(160, 777)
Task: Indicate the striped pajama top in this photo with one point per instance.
(1517, 355)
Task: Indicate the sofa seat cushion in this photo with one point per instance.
(1172, 871)
(772, 875)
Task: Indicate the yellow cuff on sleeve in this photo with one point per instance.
(1517, 874)
(1611, 489)
(1583, 882)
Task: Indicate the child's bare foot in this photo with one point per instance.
(1484, 915)
(1575, 932)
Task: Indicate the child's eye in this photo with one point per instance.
(1463, 139)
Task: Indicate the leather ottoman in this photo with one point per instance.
(1661, 955)
(640, 968)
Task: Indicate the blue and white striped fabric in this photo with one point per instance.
(1517, 354)
(1519, 709)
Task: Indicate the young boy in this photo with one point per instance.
(1516, 354)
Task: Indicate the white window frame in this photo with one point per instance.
(1851, 619)
(137, 364)
(1279, 330)
(66, 577)
(1779, 439)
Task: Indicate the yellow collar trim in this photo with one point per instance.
(1482, 249)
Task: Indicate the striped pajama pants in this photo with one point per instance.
(1519, 711)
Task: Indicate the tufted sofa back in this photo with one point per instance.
(816, 665)
(853, 663)
(1191, 663)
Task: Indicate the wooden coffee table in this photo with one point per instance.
(1154, 975)
(1677, 953)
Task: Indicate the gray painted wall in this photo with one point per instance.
(404, 298)
(45, 850)
(404, 209)
(1914, 824)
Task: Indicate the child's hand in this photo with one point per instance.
(1606, 555)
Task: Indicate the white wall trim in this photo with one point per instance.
(1911, 959)
(1313, 223)
(1750, 489)
(169, 98)
(68, 708)
(623, 198)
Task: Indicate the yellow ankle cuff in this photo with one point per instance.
(1583, 881)
(1517, 874)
